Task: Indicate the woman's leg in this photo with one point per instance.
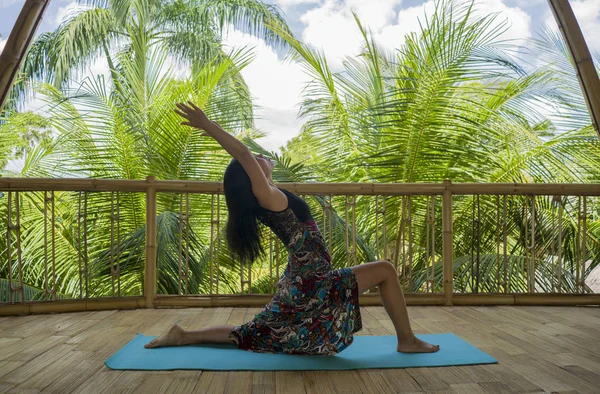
(177, 336)
(383, 274)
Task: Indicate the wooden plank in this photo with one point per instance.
(6, 387)
(48, 362)
(168, 382)
(184, 382)
(60, 367)
(371, 323)
(239, 382)
(374, 379)
(548, 379)
(6, 367)
(348, 382)
(318, 382)
(237, 317)
(586, 360)
(400, 381)
(501, 375)
(263, 382)
(428, 380)
(160, 382)
(500, 388)
(29, 348)
(583, 374)
(99, 381)
(289, 382)
(126, 382)
(74, 375)
(542, 345)
(53, 376)
(13, 324)
(468, 388)
(211, 382)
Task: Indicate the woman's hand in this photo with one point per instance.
(195, 116)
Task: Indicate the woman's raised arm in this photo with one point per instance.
(268, 196)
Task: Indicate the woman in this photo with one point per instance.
(315, 309)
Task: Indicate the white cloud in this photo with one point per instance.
(530, 3)
(392, 36)
(280, 125)
(7, 3)
(587, 13)
(519, 29)
(332, 27)
(2, 44)
(276, 85)
(66, 11)
(285, 4)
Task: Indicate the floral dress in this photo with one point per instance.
(315, 309)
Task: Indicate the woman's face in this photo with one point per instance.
(266, 164)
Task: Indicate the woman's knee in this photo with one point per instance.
(388, 269)
(373, 274)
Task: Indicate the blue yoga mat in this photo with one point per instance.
(366, 352)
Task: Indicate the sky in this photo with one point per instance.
(276, 84)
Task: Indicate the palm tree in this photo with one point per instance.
(450, 103)
(188, 31)
(126, 128)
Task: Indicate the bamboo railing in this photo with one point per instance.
(452, 244)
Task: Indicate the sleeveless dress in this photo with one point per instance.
(315, 309)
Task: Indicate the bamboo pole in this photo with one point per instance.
(18, 43)
(64, 306)
(580, 56)
(385, 189)
(559, 189)
(150, 266)
(527, 299)
(447, 247)
(73, 184)
(164, 301)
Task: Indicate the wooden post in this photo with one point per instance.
(448, 253)
(580, 55)
(150, 266)
(18, 43)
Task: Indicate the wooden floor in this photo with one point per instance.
(540, 349)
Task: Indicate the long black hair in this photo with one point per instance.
(243, 231)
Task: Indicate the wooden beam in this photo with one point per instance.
(150, 264)
(259, 300)
(18, 43)
(448, 243)
(64, 306)
(581, 57)
(386, 189)
(539, 299)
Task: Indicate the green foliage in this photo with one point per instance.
(450, 103)
(21, 133)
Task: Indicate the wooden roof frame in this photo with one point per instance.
(31, 15)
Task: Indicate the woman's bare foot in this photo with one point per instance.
(415, 345)
(173, 338)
